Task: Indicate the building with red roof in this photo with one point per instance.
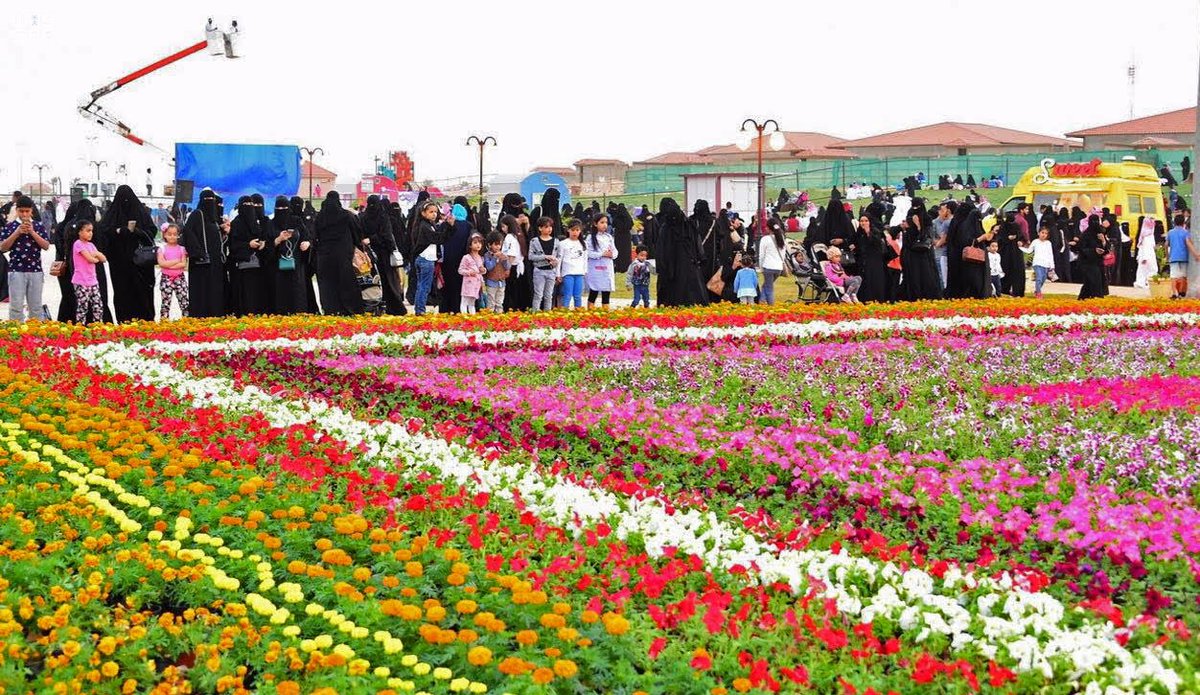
(1169, 130)
(951, 138)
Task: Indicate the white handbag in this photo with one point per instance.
(396, 259)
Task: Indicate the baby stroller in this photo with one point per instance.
(370, 284)
(812, 285)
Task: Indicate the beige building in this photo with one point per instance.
(600, 171)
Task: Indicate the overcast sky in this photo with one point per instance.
(560, 81)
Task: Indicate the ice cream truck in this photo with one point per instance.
(1129, 189)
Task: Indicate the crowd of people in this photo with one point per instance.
(457, 258)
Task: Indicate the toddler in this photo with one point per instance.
(638, 277)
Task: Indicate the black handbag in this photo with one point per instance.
(251, 264)
(146, 255)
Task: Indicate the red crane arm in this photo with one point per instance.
(137, 74)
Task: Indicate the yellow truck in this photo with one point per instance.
(1130, 189)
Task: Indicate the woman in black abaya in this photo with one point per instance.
(336, 234)
(868, 247)
(68, 232)
(377, 229)
(710, 230)
(453, 251)
(549, 208)
(920, 278)
(973, 278)
(249, 256)
(133, 285)
(622, 223)
(1012, 258)
(678, 257)
(204, 242)
(1092, 247)
(288, 244)
(1058, 239)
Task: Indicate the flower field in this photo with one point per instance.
(954, 497)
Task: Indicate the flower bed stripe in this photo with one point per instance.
(1022, 628)
(809, 330)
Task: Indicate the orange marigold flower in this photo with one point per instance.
(543, 675)
(414, 569)
(589, 616)
(562, 608)
(741, 685)
(552, 621)
(565, 668)
(527, 638)
(466, 606)
(287, 688)
(479, 656)
(362, 574)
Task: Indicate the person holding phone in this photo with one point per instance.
(23, 240)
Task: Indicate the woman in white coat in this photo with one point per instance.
(601, 250)
(1147, 254)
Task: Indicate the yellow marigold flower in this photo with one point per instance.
(109, 669)
(107, 645)
(478, 688)
(565, 668)
(459, 684)
(422, 668)
(466, 606)
(358, 667)
(562, 608)
(383, 671)
(442, 673)
(552, 621)
(409, 660)
(435, 613)
(414, 569)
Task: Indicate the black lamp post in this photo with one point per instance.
(311, 152)
(777, 142)
(474, 140)
(40, 168)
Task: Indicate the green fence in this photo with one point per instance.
(825, 173)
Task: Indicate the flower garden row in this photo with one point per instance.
(710, 506)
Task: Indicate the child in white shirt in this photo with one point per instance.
(1043, 259)
(994, 267)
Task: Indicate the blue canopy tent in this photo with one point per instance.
(534, 185)
(237, 170)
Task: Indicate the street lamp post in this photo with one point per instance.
(99, 185)
(1193, 273)
(40, 168)
(474, 140)
(777, 142)
(311, 151)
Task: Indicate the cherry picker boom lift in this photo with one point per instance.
(216, 41)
